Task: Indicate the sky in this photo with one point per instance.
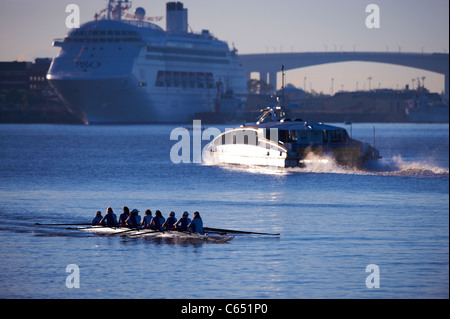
(28, 28)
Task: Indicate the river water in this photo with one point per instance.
(334, 222)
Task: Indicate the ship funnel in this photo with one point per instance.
(176, 17)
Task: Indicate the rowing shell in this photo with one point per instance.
(124, 231)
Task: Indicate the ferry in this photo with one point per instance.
(124, 68)
(279, 140)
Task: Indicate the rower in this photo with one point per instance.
(162, 220)
(133, 220)
(157, 221)
(170, 222)
(147, 219)
(98, 217)
(183, 222)
(109, 219)
(124, 216)
(196, 225)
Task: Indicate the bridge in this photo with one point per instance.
(270, 63)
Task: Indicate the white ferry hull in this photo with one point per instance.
(249, 155)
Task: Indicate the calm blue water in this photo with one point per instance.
(333, 221)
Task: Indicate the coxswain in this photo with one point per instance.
(147, 219)
(196, 225)
(170, 221)
(124, 216)
(98, 217)
(132, 220)
(183, 222)
(109, 219)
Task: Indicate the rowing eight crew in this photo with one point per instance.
(157, 222)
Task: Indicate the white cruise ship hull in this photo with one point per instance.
(121, 100)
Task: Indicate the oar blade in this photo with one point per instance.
(237, 231)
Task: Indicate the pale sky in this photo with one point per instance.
(28, 28)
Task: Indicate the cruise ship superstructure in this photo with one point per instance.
(112, 70)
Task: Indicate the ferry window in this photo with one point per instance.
(284, 136)
(303, 136)
(110, 40)
(102, 32)
(223, 139)
(315, 136)
(337, 136)
(124, 32)
(94, 32)
(110, 32)
(246, 139)
(293, 135)
(234, 139)
(80, 32)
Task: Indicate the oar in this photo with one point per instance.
(236, 231)
(80, 224)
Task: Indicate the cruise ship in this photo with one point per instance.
(122, 68)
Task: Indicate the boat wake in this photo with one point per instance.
(396, 166)
(385, 167)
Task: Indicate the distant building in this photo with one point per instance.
(13, 76)
(37, 75)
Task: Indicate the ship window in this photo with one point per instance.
(124, 32)
(209, 81)
(110, 32)
(234, 139)
(102, 32)
(117, 32)
(80, 32)
(223, 139)
(168, 78)
(94, 32)
(200, 79)
(110, 40)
